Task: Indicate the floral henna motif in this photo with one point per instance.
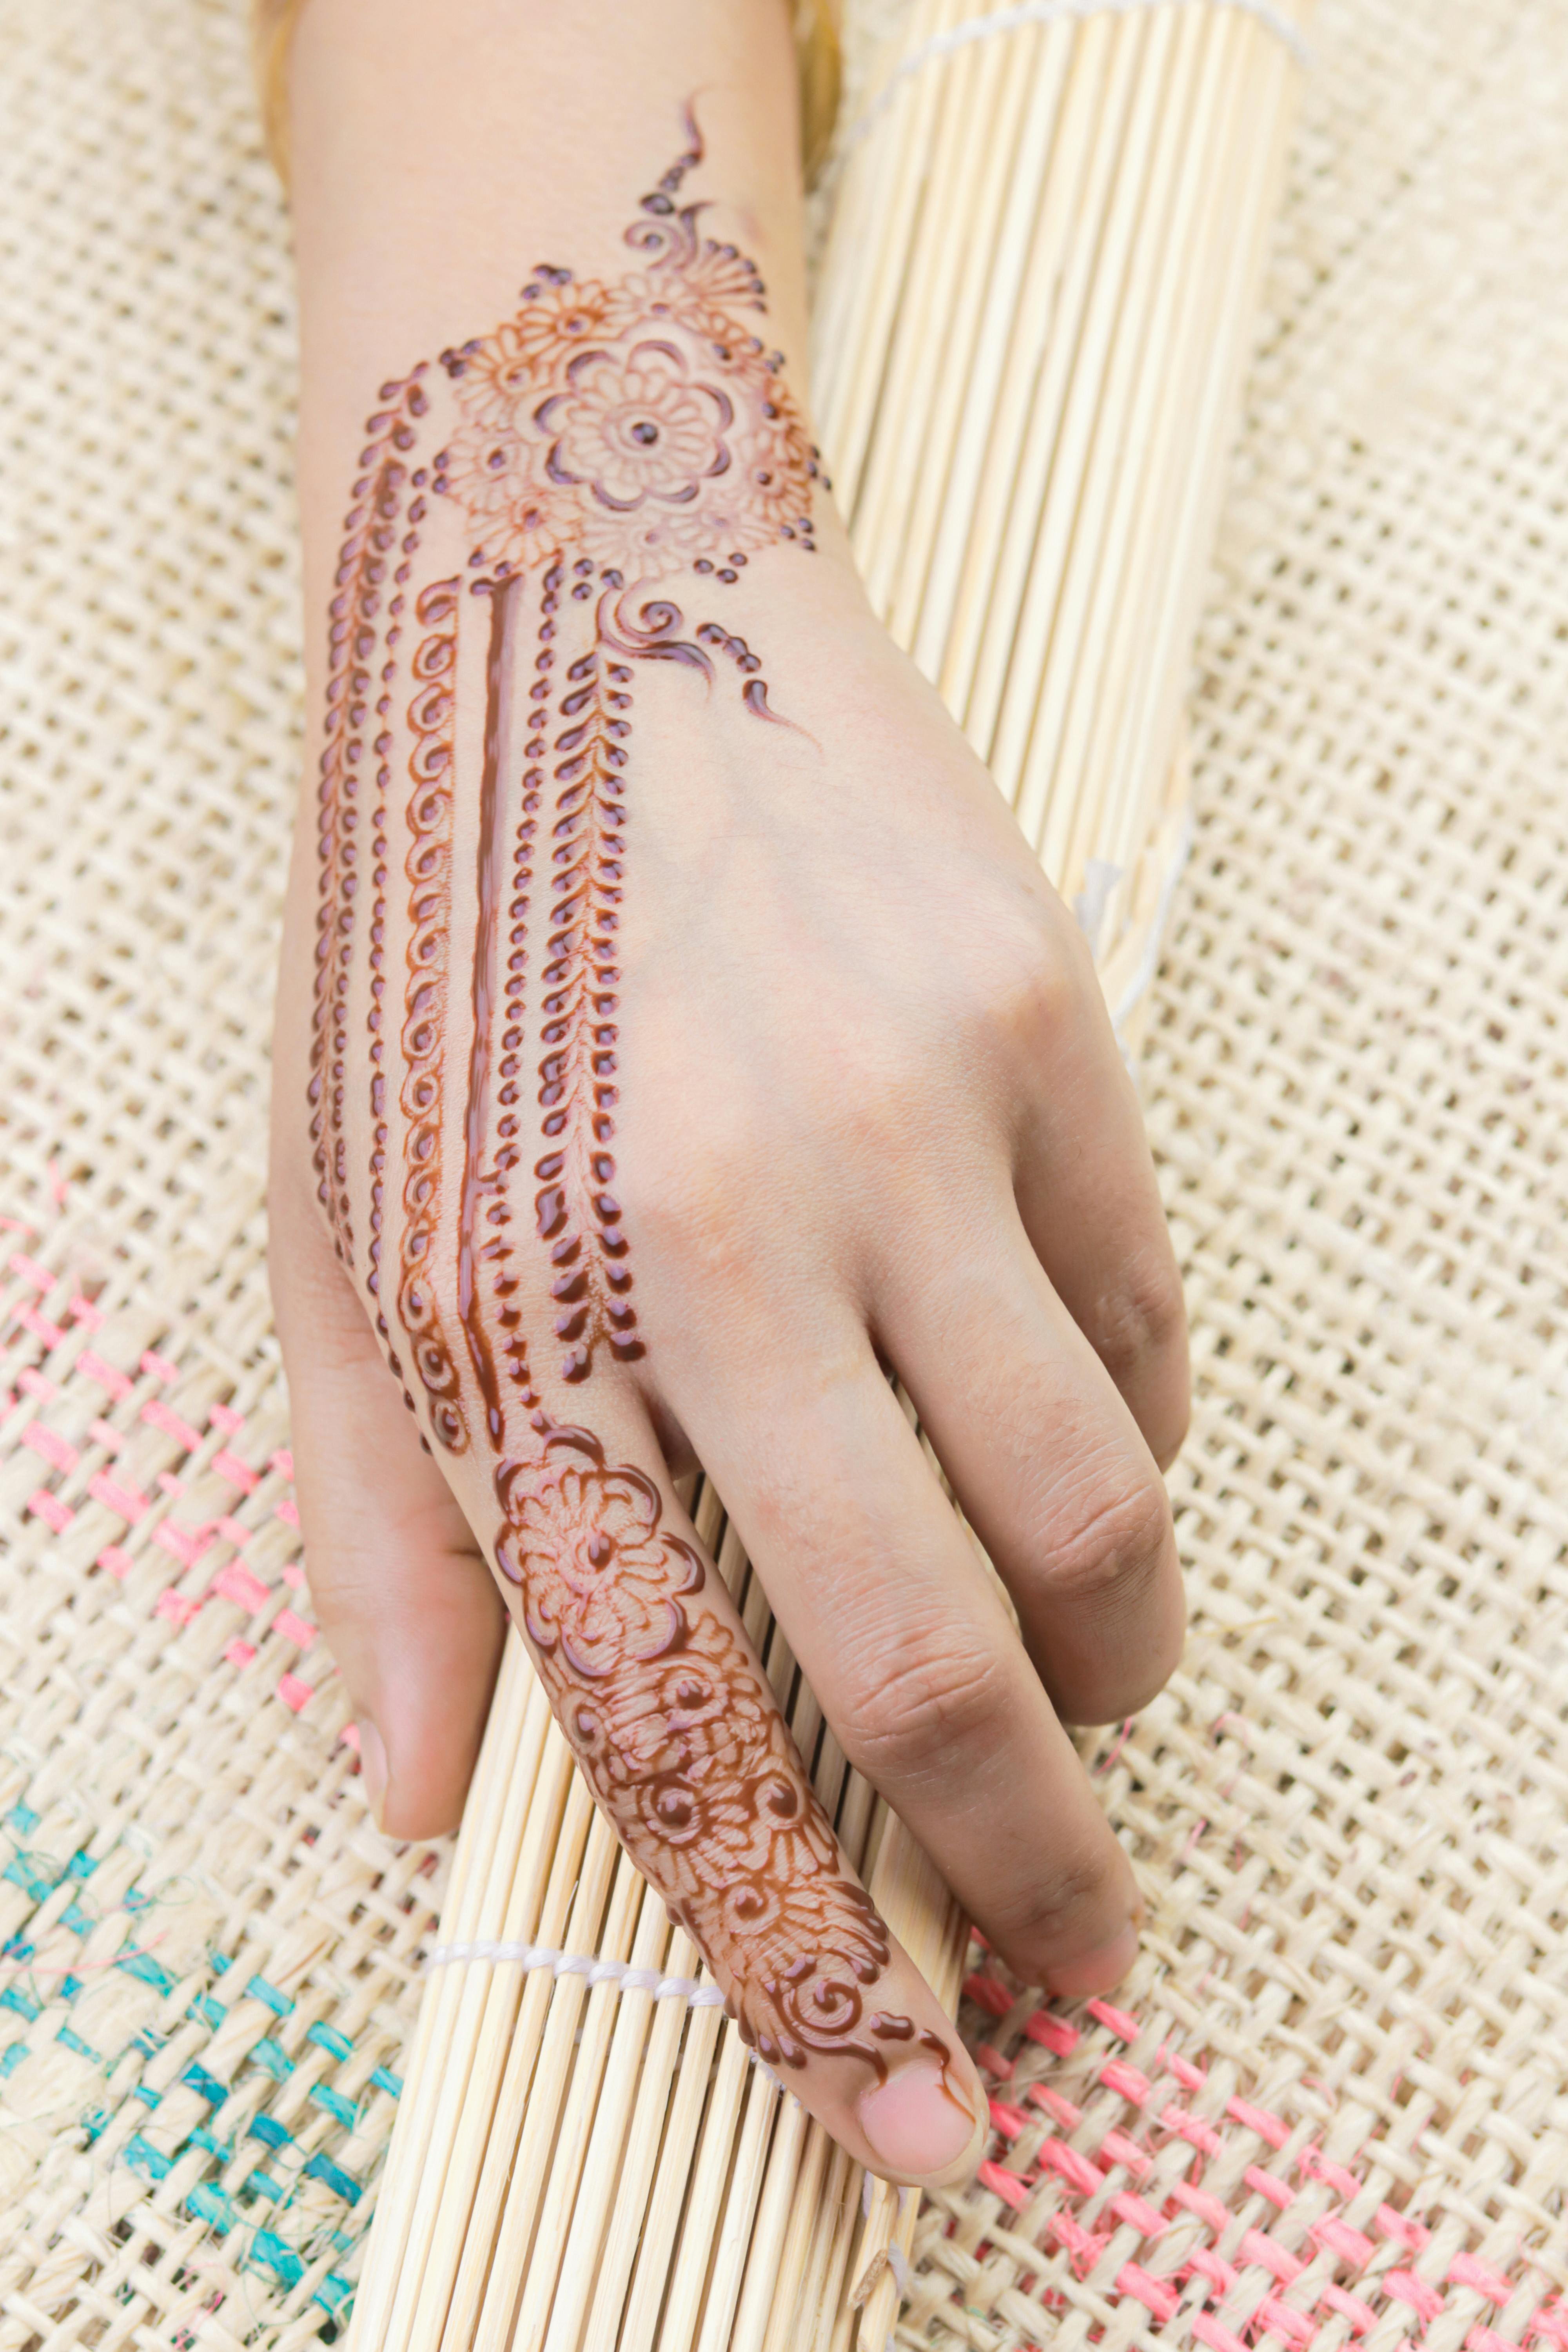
(639, 422)
(689, 1755)
(608, 437)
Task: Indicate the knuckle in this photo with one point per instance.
(688, 1193)
(1110, 1550)
(1030, 987)
(1051, 976)
(939, 1704)
(1043, 1916)
(1144, 1319)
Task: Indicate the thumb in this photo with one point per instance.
(398, 1584)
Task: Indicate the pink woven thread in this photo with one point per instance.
(1046, 2186)
(1077, 2174)
(233, 1581)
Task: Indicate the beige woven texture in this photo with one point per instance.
(1348, 1812)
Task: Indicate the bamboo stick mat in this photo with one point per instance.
(1333, 2105)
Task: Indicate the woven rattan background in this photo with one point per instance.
(1335, 2098)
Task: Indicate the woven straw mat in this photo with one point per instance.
(1333, 2102)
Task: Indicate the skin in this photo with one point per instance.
(869, 1114)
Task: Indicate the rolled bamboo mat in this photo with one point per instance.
(1328, 2108)
(1034, 304)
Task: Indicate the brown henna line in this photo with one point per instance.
(370, 531)
(431, 720)
(477, 1184)
(648, 632)
(514, 1035)
(755, 690)
(576, 1073)
(606, 438)
(375, 1018)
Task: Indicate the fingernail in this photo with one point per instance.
(1096, 1971)
(373, 1765)
(915, 2125)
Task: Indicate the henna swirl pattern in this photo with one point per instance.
(428, 867)
(688, 1754)
(610, 435)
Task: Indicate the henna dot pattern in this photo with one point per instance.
(522, 515)
(370, 533)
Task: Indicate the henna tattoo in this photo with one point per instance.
(428, 866)
(755, 692)
(688, 1754)
(609, 437)
(576, 1089)
(375, 1017)
(370, 531)
(480, 1184)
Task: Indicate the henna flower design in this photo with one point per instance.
(687, 1752)
(503, 368)
(636, 428)
(595, 1573)
(641, 423)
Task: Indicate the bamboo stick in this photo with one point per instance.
(760, 2297)
(970, 158)
(450, 2188)
(543, 2044)
(1165, 398)
(991, 593)
(592, 2017)
(1179, 359)
(1138, 80)
(1090, 560)
(857, 325)
(1167, 672)
(633, 2021)
(964, 440)
(449, 1999)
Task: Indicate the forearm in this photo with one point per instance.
(438, 154)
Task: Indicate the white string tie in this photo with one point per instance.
(580, 1964)
(1051, 12)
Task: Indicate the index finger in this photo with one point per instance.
(652, 1677)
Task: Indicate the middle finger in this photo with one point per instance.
(916, 1664)
(1044, 1457)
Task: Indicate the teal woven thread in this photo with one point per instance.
(258, 2216)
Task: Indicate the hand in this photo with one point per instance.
(675, 1037)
